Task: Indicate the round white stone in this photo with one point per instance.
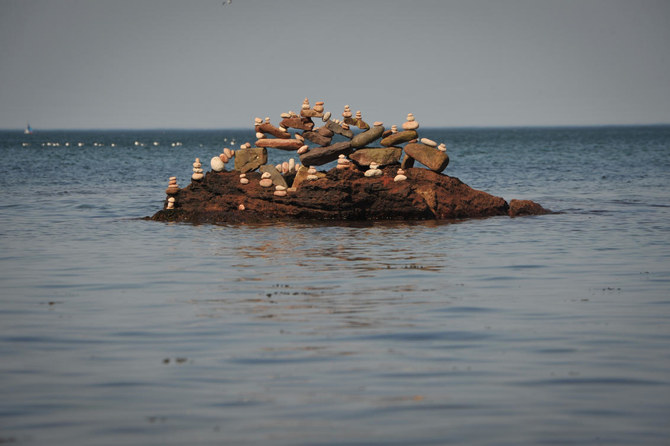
(217, 164)
(266, 175)
(429, 142)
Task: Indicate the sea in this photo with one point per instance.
(539, 330)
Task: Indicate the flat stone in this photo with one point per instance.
(337, 128)
(301, 177)
(398, 138)
(275, 175)
(282, 144)
(383, 156)
(322, 155)
(430, 157)
(316, 138)
(325, 131)
(366, 137)
(250, 159)
(310, 113)
(297, 122)
(272, 130)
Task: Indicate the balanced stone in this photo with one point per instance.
(272, 173)
(265, 182)
(317, 138)
(326, 117)
(247, 160)
(322, 155)
(407, 162)
(303, 149)
(217, 164)
(172, 188)
(442, 147)
(325, 131)
(297, 122)
(373, 171)
(318, 106)
(399, 138)
(282, 144)
(266, 127)
(170, 203)
(428, 142)
(365, 138)
(229, 153)
(383, 156)
(433, 159)
(337, 128)
(400, 176)
(310, 113)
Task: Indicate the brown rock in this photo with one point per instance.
(317, 138)
(250, 159)
(282, 144)
(430, 157)
(407, 162)
(383, 156)
(322, 155)
(272, 130)
(301, 177)
(310, 113)
(337, 128)
(518, 208)
(325, 131)
(399, 138)
(297, 122)
(366, 137)
(275, 175)
(362, 124)
(337, 195)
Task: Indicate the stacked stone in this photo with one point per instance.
(343, 162)
(244, 179)
(197, 170)
(280, 191)
(400, 176)
(373, 171)
(172, 188)
(170, 203)
(266, 180)
(311, 173)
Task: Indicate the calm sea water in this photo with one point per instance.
(537, 330)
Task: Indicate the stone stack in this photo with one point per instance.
(197, 170)
(170, 203)
(373, 171)
(280, 191)
(244, 179)
(343, 162)
(172, 188)
(400, 176)
(311, 173)
(266, 180)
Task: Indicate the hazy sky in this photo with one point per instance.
(184, 64)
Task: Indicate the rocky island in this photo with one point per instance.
(368, 183)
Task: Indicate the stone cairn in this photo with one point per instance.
(349, 141)
(170, 203)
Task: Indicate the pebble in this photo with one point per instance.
(244, 180)
(318, 107)
(197, 170)
(410, 125)
(291, 165)
(224, 159)
(266, 175)
(285, 115)
(170, 204)
(217, 164)
(378, 123)
(442, 147)
(228, 152)
(299, 137)
(258, 121)
(267, 119)
(266, 182)
(241, 207)
(400, 176)
(305, 104)
(326, 117)
(280, 193)
(284, 167)
(260, 135)
(280, 187)
(303, 149)
(429, 142)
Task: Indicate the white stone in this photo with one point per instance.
(285, 115)
(326, 117)
(312, 177)
(311, 170)
(303, 149)
(241, 207)
(291, 165)
(410, 125)
(299, 137)
(170, 204)
(373, 173)
(410, 117)
(260, 135)
(280, 187)
(399, 178)
(217, 164)
(267, 119)
(266, 175)
(244, 180)
(374, 165)
(378, 123)
(243, 175)
(280, 193)
(197, 176)
(228, 152)
(266, 182)
(429, 142)
(442, 147)
(258, 121)
(394, 128)
(284, 167)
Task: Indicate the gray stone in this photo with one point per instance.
(399, 138)
(322, 155)
(317, 138)
(250, 159)
(366, 137)
(337, 128)
(430, 157)
(383, 156)
(275, 176)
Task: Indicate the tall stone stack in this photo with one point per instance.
(197, 170)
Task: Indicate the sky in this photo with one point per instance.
(105, 64)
